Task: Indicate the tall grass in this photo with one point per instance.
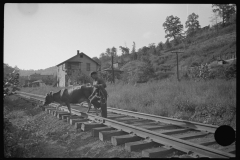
(212, 102)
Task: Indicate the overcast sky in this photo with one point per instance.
(38, 36)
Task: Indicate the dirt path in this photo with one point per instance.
(47, 137)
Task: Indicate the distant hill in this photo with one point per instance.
(47, 71)
(206, 46)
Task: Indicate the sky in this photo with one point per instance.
(42, 35)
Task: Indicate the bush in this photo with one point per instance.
(227, 71)
(230, 71)
(163, 75)
(11, 80)
(137, 71)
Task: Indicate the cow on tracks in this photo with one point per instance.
(72, 95)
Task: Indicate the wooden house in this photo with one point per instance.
(78, 64)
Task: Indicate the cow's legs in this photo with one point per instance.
(96, 111)
(89, 106)
(81, 104)
(69, 108)
(58, 107)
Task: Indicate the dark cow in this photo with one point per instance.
(72, 95)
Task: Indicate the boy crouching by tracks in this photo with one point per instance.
(99, 93)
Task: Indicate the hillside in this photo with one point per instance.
(204, 47)
(47, 71)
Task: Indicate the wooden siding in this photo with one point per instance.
(61, 75)
(84, 61)
(75, 63)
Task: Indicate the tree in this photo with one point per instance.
(97, 60)
(192, 24)
(134, 48)
(214, 19)
(144, 52)
(152, 49)
(172, 27)
(76, 76)
(133, 52)
(108, 52)
(102, 55)
(160, 46)
(233, 18)
(125, 50)
(176, 42)
(104, 59)
(11, 80)
(114, 51)
(168, 44)
(225, 11)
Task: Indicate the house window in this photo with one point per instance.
(88, 66)
(69, 66)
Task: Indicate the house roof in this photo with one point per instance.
(77, 55)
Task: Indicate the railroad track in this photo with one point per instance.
(155, 136)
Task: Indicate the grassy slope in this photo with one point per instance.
(204, 46)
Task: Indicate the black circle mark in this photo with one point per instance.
(224, 135)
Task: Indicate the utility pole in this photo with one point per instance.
(177, 62)
(112, 69)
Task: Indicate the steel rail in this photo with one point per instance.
(178, 144)
(182, 145)
(183, 123)
(167, 120)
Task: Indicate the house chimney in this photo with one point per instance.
(77, 52)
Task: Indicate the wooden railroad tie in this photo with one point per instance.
(88, 126)
(96, 131)
(118, 140)
(106, 135)
(78, 123)
(140, 145)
